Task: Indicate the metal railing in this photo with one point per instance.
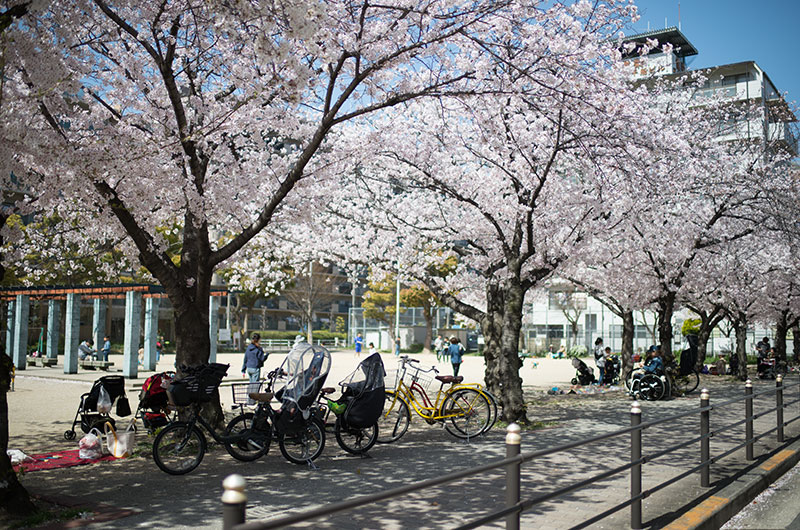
(286, 344)
(234, 499)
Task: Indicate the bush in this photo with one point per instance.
(691, 326)
(322, 334)
(579, 350)
(413, 348)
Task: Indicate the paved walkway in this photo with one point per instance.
(45, 401)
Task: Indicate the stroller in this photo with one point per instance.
(361, 406)
(153, 407)
(612, 369)
(90, 416)
(585, 375)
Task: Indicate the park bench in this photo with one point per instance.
(42, 361)
(90, 364)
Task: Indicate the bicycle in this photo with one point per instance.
(359, 408)
(465, 410)
(300, 432)
(683, 383)
(180, 446)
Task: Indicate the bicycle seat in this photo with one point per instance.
(263, 397)
(449, 378)
(327, 390)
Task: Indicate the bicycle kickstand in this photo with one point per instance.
(312, 465)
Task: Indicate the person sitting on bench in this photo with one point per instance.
(85, 350)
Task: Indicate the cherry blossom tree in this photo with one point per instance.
(506, 183)
(207, 121)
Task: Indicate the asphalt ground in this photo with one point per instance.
(45, 401)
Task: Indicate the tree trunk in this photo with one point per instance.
(740, 326)
(492, 328)
(781, 331)
(666, 307)
(796, 342)
(13, 496)
(511, 393)
(627, 341)
(427, 313)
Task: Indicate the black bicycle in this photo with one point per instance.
(180, 446)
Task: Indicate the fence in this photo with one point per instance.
(234, 498)
(273, 345)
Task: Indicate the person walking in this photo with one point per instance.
(455, 351)
(600, 358)
(254, 358)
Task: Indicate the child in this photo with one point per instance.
(372, 348)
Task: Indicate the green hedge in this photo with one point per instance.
(318, 334)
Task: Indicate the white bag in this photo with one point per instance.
(18, 457)
(120, 444)
(90, 446)
(103, 401)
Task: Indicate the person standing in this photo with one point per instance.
(372, 348)
(397, 346)
(254, 358)
(455, 352)
(600, 358)
(159, 348)
(106, 349)
(359, 343)
(437, 346)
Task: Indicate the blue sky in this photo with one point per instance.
(732, 31)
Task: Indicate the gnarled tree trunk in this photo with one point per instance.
(666, 307)
(627, 341)
(740, 327)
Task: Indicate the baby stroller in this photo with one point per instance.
(585, 375)
(361, 406)
(90, 415)
(613, 366)
(153, 407)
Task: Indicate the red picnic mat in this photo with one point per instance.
(58, 459)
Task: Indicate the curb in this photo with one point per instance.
(713, 512)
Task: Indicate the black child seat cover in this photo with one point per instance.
(364, 391)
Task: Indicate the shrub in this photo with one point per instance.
(691, 326)
(578, 350)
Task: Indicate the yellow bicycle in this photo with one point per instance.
(465, 410)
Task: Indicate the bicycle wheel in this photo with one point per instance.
(393, 423)
(256, 442)
(467, 413)
(493, 403)
(355, 440)
(686, 383)
(179, 448)
(651, 387)
(305, 445)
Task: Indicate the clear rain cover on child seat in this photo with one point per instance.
(306, 367)
(367, 376)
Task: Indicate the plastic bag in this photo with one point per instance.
(90, 447)
(103, 401)
(120, 444)
(17, 457)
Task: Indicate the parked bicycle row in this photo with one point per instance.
(294, 407)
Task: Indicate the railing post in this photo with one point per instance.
(705, 443)
(513, 442)
(779, 404)
(636, 469)
(234, 501)
(748, 426)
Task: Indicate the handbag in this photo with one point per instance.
(120, 444)
(123, 407)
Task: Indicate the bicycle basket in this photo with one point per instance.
(198, 385)
(242, 391)
(415, 375)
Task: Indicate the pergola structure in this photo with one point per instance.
(19, 299)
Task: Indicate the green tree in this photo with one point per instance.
(380, 302)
